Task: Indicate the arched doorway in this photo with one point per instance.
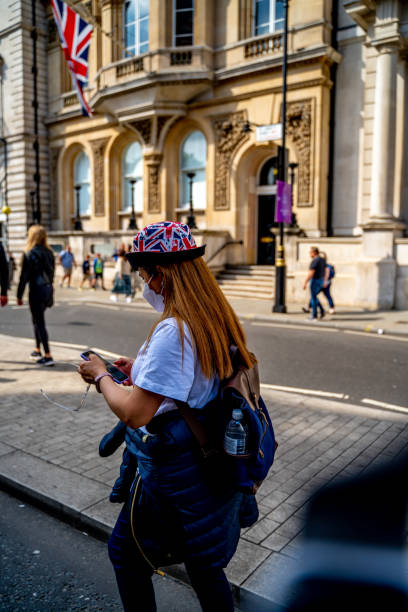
(266, 193)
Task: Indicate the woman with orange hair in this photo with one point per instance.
(37, 269)
(173, 513)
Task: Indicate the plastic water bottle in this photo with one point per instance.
(236, 434)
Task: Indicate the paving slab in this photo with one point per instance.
(48, 481)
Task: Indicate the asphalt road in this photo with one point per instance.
(358, 366)
(47, 566)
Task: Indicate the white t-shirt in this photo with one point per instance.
(160, 369)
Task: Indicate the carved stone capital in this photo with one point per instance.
(299, 129)
(98, 149)
(229, 135)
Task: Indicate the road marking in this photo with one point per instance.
(291, 326)
(305, 391)
(385, 405)
(108, 306)
(120, 307)
(374, 335)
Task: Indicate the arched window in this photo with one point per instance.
(193, 159)
(136, 26)
(82, 178)
(269, 172)
(269, 16)
(183, 23)
(132, 168)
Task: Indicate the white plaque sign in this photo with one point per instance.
(269, 132)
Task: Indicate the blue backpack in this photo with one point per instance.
(332, 271)
(242, 390)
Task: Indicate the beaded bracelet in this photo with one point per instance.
(98, 378)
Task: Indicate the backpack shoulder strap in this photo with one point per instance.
(196, 428)
(246, 382)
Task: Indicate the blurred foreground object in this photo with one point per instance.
(355, 554)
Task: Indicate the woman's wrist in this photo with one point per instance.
(99, 378)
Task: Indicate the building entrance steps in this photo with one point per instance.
(256, 282)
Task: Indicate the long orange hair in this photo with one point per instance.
(193, 296)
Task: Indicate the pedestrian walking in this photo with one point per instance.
(86, 272)
(37, 269)
(67, 260)
(329, 275)
(179, 516)
(98, 266)
(316, 277)
(4, 277)
(122, 282)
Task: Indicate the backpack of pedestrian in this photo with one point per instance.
(177, 516)
(37, 270)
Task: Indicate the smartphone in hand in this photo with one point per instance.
(117, 375)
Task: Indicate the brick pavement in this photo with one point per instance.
(52, 454)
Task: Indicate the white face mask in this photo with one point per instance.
(154, 299)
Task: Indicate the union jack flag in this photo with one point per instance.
(75, 35)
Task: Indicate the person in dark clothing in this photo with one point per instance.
(37, 270)
(4, 276)
(317, 278)
(86, 272)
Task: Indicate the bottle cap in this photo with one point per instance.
(237, 414)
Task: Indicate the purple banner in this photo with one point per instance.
(283, 208)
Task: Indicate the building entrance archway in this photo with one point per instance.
(266, 195)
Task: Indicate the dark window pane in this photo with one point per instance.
(279, 10)
(144, 30)
(184, 22)
(129, 12)
(130, 37)
(279, 25)
(262, 13)
(180, 4)
(262, 30)
(184, 41)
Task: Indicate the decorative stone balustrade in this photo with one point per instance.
(130, 67)
(273, 43)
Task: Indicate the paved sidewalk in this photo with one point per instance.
(51, 455)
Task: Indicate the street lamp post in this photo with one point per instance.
(280, 263)
(32, 205)
(292, 167)
(77, 222)
(132, 221)
(191, 218)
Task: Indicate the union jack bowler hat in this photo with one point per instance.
(163, 243)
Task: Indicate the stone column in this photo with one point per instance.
(382, 183)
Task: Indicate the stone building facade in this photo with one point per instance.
(201, 77)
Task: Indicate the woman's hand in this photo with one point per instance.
(89, 370)
(125, 364)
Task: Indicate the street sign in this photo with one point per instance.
(269, 132)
